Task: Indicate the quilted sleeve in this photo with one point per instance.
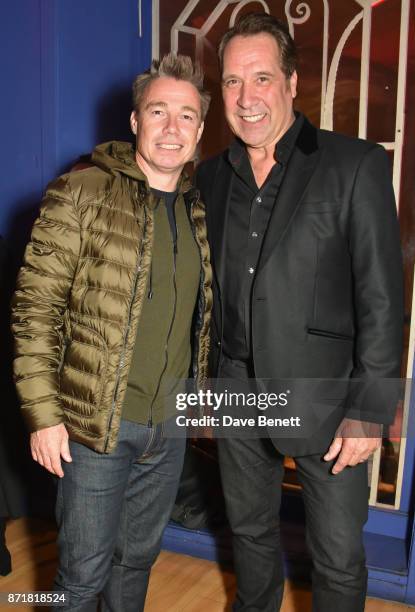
(39, 306)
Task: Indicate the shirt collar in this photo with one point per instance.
(283, 148)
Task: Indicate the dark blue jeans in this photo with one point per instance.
(111, 513)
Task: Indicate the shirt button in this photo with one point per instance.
(251, 270)
(259, 200)
(254, 235)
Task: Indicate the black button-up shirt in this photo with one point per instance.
(249, 213)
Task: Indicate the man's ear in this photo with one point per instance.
(133, 122)
(200, 131)
(293, 84)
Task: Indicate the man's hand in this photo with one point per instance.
(354, 442)
(48, 445)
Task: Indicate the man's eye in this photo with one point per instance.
(231, 83)
(157, 112)
(188, 117)
(263, 79)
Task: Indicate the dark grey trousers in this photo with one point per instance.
(336, 511)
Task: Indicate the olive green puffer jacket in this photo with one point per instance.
(80, 291)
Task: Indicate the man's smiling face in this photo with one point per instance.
(257, 95)
(167, 125)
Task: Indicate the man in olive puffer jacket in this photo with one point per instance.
(115, 280)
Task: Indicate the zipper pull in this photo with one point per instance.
(150, 289)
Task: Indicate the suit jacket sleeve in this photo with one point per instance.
(378, 291)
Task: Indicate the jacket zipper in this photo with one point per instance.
(66, 340)
(166, 346)
(62, 359)
(127, 329)
(201, 305)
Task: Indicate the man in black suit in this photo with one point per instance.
(308, 285)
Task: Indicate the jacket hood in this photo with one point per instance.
(119, 157)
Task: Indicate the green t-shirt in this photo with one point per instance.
(162, 352)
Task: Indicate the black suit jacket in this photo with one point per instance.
(327, 300)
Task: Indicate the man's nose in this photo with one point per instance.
(171, 125)
(247, 96)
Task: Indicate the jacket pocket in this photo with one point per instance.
(84, 371)
(328, 334)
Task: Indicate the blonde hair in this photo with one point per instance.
(180, 67)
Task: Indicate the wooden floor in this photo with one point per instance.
(178, 583)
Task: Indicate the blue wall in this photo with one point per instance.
(66, 67)
(20, 107)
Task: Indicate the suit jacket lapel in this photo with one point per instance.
(298, 174)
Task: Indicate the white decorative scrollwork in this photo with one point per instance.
(327, 122)
(304, 12)
(243, 3)
(325, 59)
(297, 13)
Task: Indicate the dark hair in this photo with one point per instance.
(178, 67)
(260, 23)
